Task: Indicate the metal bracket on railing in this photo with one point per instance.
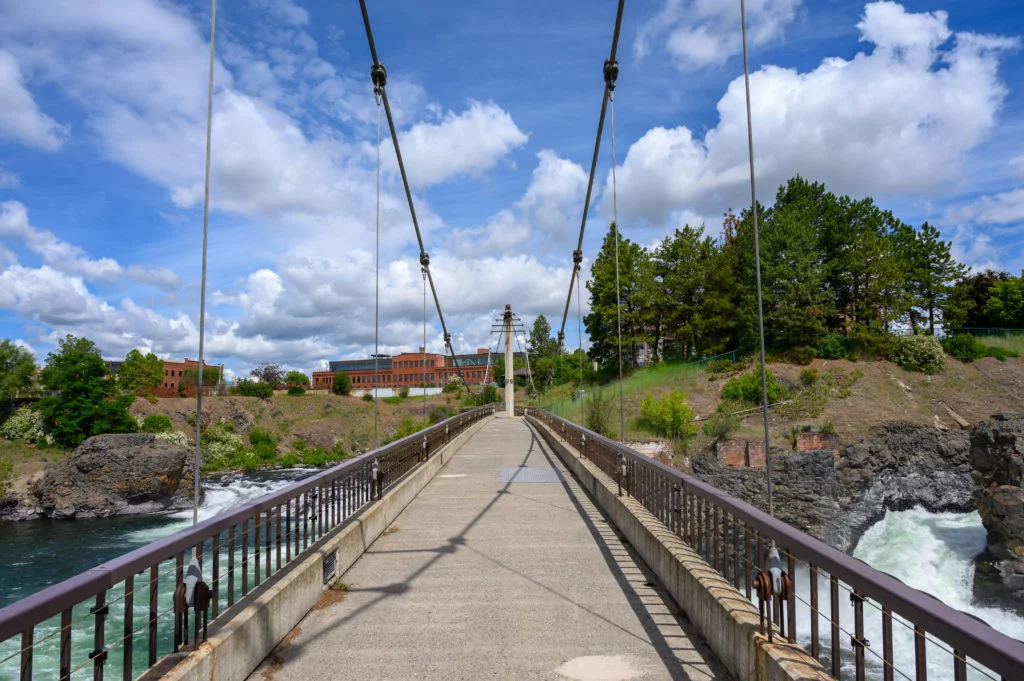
(193, 593)
(583, 445)
(424, 447)
(620, 471)
(375, 476)
(99, 655)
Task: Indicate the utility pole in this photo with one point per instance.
(510, 378)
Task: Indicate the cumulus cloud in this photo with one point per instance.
(20, 117)
(700, 33)
(554, 199)
(901, 118)
(998, 209)
(467, 143)
(67, 258)
(1017, 164)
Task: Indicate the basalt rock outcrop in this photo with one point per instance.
(116, 475)
(997, 456)
(837, 497)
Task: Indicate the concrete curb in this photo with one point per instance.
(250, 630)
(726, 619)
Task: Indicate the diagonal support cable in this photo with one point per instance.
(577, 255)
(381, 83)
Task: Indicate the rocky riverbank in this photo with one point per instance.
(836, 497)
(109, 475)
(997, 456)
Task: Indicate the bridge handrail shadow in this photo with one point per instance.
(291, 519)
(724, 530)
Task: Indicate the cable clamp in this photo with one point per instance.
(611, 73)
(379, 76)
(447, 340)
(424, 259)
(577, 257)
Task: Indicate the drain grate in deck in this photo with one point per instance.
(527, 474)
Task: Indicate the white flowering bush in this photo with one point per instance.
(24, 424)
(174, 437)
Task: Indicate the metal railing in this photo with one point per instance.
(238, 550)
(732, 536)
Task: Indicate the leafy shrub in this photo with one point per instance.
(670, 415)
(342, 384)
(962, 346)
(802, 355)
(339, 451)
(721, 425)
(265, 451)
(156, 423)
(868, 344)
(290, 460)
(174, 437)
(409, 426)
(394, 399)
(296, 390)
(367, 397)
(718, 366)
(828, 428)
(831, 346)
(488, 395)
(247, 388)
(24, 424)
(403, 393)
(999, 353)
(747, 388)
(808, 377)
(918, 353)
(261, 436)
(439, 414)
(597, 413)
(6, 474)
(452, 387)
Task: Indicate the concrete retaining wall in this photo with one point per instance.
(726, 619)
(245, 634)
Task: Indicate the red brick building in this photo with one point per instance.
(409, 370)
(174, 372)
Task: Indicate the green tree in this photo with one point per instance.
(296, 378)
(636, 288)
(967, 305)
(541, 344)
(17, 367)
(1006, 302)
(342, 384)
(87, 403)
(682, 270)
(140, 371)
(931, 272)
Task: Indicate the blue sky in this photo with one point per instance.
(102, 123)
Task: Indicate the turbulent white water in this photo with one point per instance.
(932, 552)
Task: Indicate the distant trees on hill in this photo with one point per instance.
(830, 264)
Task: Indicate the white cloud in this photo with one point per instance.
(555, 196)
(459, 144)
(700, 33)
(72, 260)
(998, 209)
(975, 249)
(9, 180)
(1017, 163)
(285, 10)
(901, 119)
(20, 117)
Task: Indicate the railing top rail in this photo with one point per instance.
(964, 632)
(53, 600)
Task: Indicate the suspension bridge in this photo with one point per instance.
(504, 542)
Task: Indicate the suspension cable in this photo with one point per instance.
(579, 328)
(378, 76)
(202, 293)
(423, 270)
(378, 72)
(610, 81)
(578, 253)
(757, 261)
(529, 371)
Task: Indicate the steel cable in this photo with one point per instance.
(618, 287)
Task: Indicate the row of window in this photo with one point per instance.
(408, 364)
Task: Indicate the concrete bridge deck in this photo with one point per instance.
(501, 568)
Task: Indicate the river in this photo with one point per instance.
(933, 552)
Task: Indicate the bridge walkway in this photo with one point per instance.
(501, 568)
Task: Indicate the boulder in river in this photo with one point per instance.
(997, 456)
(117, 475)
